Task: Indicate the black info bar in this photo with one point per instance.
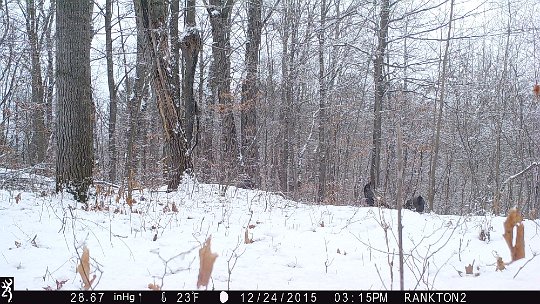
(239, 297)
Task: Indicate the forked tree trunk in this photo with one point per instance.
(190, 46)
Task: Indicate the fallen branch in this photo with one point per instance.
(523, 266)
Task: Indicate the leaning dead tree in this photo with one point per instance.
(155, 21)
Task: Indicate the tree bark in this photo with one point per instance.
(380, 92)
(251, 96)
(285, 109)
(49, 76)
(220, 81)
(175, 56)
(38, 140)
(75, 110)
(134, 102)
(190, 45)
(399, 199)
(322, 148)
(112, 90)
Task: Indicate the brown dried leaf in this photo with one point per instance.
(339, 252)
(99, 190)
(207, 259)
(469, 269)
(130, 201)
(155, 287)
(84, 269)
(247, 240)
(321, 224)
(251, 226)
(18, 198)
(174, 208)
(500, 264)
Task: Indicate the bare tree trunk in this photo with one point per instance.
(38, 141)
(134, 102)
(285, 137)
(205, 155)
(399, 198)
(284, 110)
(322, 148)
(191, 46)
(251, 96)
(501, 92)
(112, 90)
(175, 55)
(75, 111)
(49, 76)
(219, 12)
(436, 139)
(380, 92)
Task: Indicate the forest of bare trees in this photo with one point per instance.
(309, 98)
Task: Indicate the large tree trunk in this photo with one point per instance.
(134, 103)
(380, 92)
(38, 140)
(112, 90)
(220, 81)
(190, 45)
(251, 96)
(75, 110)
(154, 19)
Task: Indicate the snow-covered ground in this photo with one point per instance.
(295, 246)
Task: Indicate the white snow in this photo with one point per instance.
(295, 246)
